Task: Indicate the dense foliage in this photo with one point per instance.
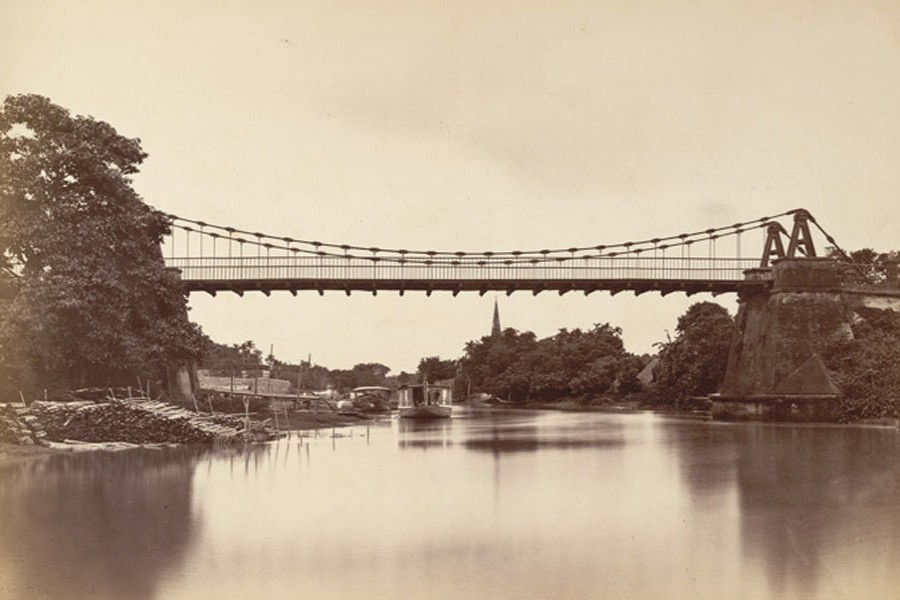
(433, 369)
(693, 364)
(224, 360)
(519, 367)
(864, 367)
(867, 266)
(95, 304)
(360, 375)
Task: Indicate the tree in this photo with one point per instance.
(571, 363)
(433, 369)
(866, 266)
(361, 374)
(95, 304)
(694, 362)
(225, 360)
(864, 366)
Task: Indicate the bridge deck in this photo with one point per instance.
(582, 274)
(481, 286)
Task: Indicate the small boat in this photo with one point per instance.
(425, 401)
(371, 399)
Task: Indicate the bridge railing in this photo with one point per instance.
(332, 268)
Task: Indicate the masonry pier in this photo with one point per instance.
(776, 369)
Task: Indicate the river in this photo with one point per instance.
(488, 504)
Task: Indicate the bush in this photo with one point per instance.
(865, 367)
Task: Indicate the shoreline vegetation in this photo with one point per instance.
(572, 371)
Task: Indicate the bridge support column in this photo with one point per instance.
(182, 379)
(775, 368)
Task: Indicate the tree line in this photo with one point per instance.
(519, 367)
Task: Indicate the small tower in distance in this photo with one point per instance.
(495, 328)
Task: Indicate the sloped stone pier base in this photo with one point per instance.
(776, 370)
(777, 365)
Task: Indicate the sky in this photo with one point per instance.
(478, 125)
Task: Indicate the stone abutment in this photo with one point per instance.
(776, 365)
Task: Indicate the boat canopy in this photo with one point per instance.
(430, 386)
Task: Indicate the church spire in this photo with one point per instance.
(495, 329)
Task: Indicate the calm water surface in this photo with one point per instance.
(487, 505)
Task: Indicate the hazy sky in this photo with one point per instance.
(479, 125)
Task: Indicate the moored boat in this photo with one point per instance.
(425, 401)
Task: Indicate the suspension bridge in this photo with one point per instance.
(732, 258)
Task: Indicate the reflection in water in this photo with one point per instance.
(813, 501)
(424, 434)
(94, 525)
(488, 504)
(809, 494)
(526, 438)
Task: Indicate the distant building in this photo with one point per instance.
(495, 328)
(646, 376)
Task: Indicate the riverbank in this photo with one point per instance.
(296, 421)
(322, 420)
(585, 404)
(694, 407)
(11, 453)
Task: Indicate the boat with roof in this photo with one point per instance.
(425, 401)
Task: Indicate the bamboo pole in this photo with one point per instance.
(297, 400)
